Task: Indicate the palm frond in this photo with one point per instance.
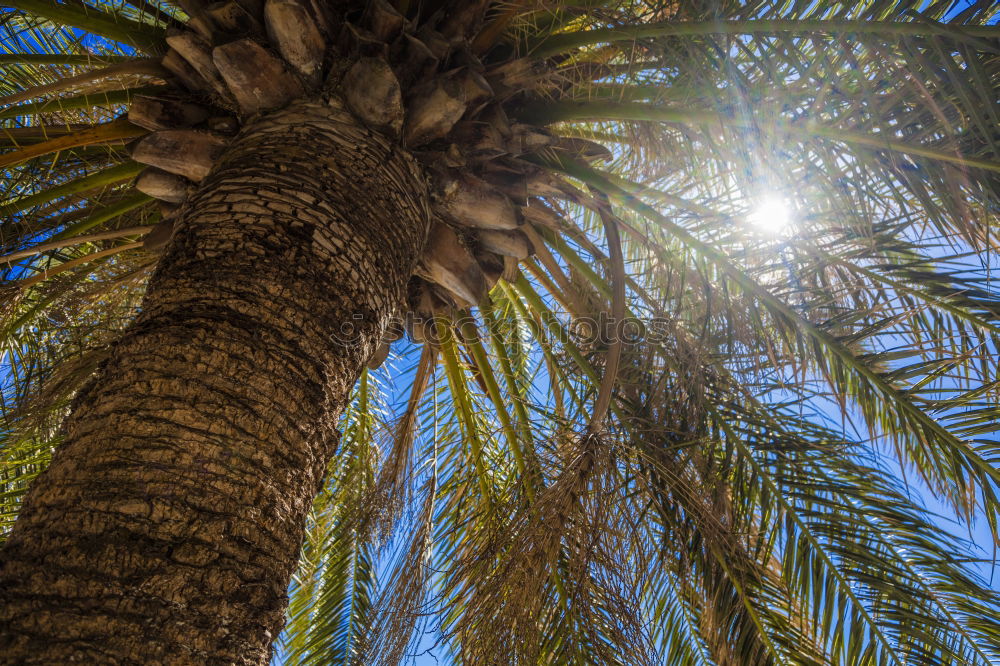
(729, 486)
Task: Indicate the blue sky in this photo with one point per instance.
(979, 533)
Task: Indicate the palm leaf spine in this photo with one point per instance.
(983, 471)
(140, 35)
(570, 111)
(115, 174)
(116, 130)
(561, 42)
(55, 245)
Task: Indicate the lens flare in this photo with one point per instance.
(772, 215)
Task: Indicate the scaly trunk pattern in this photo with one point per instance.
(169, 523)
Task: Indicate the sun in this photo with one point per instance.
(772, 215)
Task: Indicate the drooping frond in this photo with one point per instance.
(708, 297)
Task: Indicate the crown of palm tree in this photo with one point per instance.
(685, 496)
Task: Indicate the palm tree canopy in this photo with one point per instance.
(788, 213)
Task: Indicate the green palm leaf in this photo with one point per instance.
(530, 490)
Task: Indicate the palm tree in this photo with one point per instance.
(220, 220)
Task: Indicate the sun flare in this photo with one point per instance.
(772, 215)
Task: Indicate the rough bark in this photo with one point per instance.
(170, 521)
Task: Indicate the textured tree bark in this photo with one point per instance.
(169, 523)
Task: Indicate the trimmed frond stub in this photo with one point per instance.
(586, 162)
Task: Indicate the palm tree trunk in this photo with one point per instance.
(169, 523)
